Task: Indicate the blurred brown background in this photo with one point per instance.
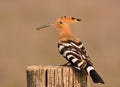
(22, 45)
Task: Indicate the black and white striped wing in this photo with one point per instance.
(82, 51)
(74, 52)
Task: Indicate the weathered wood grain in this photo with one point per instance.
(55, 76)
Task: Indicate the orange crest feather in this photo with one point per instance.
(69, 19)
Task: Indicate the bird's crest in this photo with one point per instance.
(60, 21)
(69, 19)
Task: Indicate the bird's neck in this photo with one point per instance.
(65, 34)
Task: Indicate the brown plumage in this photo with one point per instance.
(71, 48)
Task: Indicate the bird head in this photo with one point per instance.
(61, 23)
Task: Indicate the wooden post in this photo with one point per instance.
(55, 76)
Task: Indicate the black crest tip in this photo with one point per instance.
(64, 16)
(73, 18)
(78, 19)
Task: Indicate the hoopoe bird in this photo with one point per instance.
(72, 49)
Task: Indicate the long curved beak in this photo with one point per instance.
(44, 26)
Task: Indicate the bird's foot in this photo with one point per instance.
(66, 64)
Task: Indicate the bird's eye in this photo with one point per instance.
(61, 22)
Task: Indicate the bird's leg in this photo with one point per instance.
(66, 64)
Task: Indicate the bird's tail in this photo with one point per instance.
(93, 74)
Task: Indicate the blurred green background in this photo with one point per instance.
(22, 45)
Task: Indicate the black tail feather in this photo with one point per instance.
(93, 74)
(95, 77)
